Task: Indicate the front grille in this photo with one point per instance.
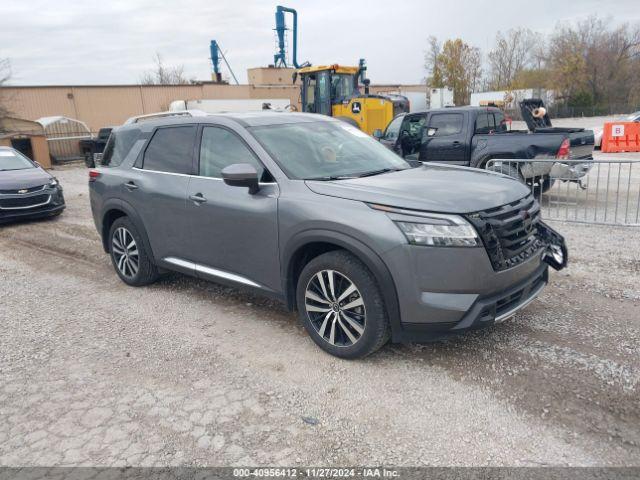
(25, 202)
(509, 232)
(23, 190)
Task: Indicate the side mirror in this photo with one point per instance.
(241, 175)
(377, 133)
(431, 131)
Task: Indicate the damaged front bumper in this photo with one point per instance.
(556, 254)
(437, 305)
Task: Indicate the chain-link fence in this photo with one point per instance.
(594, 191)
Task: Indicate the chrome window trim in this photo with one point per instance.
(211, 272)
(163, 173)
(28, 206)
(194, 176)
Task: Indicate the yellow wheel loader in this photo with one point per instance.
(334, 90)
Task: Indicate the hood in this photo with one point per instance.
(433, 187)
(27, 178)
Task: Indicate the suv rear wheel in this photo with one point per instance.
(128, 255)
(341, 307)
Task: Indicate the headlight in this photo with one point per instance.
(439, 235)
(53, 182)
(433, 229)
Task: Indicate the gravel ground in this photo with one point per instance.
(93, 372)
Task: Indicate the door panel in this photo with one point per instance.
(323, 93)
(449, 144)
(160, 200)
(411, 136)
(233, 234)
(234, 231)
(390, 138)
(158, 191)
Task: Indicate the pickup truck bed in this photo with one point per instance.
(471, 136)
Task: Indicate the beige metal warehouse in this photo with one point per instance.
(63, 136)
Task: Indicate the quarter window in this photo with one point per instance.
(446, 123)
(170, 150)
(118, 147)
(221, 148)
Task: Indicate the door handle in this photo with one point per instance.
(197, 198)
(130, 186)
(456, 143)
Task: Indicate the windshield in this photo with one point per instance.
(12, 160)
(326, 150)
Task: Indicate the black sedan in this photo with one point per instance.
(26, 189)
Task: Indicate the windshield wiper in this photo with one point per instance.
(331, 177)
(381, 171)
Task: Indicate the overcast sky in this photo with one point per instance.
(113, 41)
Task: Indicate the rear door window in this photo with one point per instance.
(446, 123)
(484, 123)
(171, 150)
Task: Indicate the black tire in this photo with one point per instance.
(146, 272)
(375, 319)
(547, 183)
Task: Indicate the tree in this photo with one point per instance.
(434, 74)
(511, 54)
(5, 75)
(589, 62)
(461, 68)
(164, 75)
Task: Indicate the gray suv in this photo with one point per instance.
(310, 210)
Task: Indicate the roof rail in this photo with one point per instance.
(155, 116)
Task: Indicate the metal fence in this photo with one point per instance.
(66, 147)
(603, 192)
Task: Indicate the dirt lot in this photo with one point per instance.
(94, 372)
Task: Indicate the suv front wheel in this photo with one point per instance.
(341, 306)
(128, 255)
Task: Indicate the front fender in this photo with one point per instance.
(363, 252)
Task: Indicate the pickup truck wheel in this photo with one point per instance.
(341, 306)
(505, 168)
(547, 183)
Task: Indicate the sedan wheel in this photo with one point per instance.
(335, 308)
(125, 252)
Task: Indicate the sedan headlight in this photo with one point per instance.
(433, 229)
(53, 182)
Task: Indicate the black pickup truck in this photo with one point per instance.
(471, 136)
(94, 145)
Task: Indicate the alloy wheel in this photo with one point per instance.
(125, 252)
(335, 308)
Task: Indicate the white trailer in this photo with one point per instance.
(441, 97)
